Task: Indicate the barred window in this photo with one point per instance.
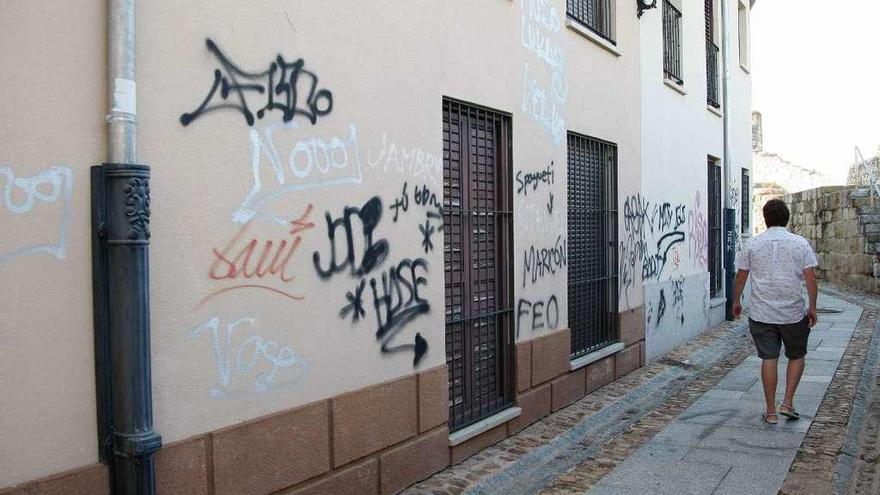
(712, 59)
(596, 15)
(746, 201)
(592, 244)
(477, 256)
(672, 43)
(714, 227)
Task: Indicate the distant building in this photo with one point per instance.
(864, 172)
(774, 176)
(773, 168)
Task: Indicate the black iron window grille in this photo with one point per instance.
(710, 19)
(746, 201)
(711, 57)
(477, 254)
(712, 74)
(595, 15)
(592, 244)
(714, 220)
(672, 43)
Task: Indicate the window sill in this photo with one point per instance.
(716, 111)
(679, 88)
(595, 38)
(717, 301)
(595, 356)
(497, 419)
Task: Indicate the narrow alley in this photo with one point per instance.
(691, 423)
(438, 247)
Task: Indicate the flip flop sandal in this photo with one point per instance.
(788, 412)
(770, 418)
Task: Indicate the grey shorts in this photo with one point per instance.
(769, 338)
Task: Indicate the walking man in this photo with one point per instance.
(779, 263)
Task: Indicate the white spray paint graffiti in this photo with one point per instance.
(312, 162)
(316, 162)
(246, 359)
(541, 25)
(48, 187)
(537, 106)
(418, 163)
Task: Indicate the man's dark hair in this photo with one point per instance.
(776, 213)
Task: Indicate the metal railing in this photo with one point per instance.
(672, 43)
(595, 15)
(712, 96)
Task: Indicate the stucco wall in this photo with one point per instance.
(224, 350)
(667, 222)
(52, 130)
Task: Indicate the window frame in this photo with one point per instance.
(600, 327)
(608, 7)
(673, 46)
(745, 201)
(714, 228)
(466, 326)
(743, 36)
(713, 55)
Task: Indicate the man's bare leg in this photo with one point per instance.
(793, 373)
(769, 379)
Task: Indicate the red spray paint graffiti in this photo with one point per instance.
(251, 262)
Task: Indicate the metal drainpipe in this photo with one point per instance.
(124, 234)
(729, 208)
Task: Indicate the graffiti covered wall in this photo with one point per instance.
(297, 197)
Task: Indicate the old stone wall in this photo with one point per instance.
(843, 226)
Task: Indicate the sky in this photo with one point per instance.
(816, 80)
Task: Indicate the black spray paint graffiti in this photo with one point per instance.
(653, 264)
(400, 303)
(633, 246)
(677, 285)
(373, 253)
(423, 196)
(538, 314)
(286, 86)
(395, 291)
(427, 230)
(532, 180)
(642, 219)
(674, 292)
(661, 306)
(541, 262)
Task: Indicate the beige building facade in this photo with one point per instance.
(384, 235)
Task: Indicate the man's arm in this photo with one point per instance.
(741, 277)
(813, 292)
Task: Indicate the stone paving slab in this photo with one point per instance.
(753, 480)
(660, 476)
(724, 430)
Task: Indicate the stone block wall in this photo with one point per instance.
(843, 226)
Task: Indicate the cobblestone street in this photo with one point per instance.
(690, 423)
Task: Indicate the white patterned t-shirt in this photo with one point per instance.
(776, 260)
